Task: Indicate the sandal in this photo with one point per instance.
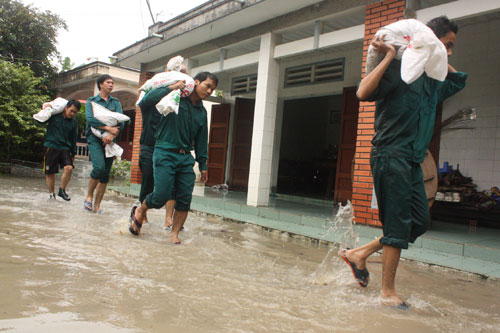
(134, 221)
(87, 205)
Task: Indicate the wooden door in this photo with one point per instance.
(217, 143)
(347, 145)
(242, 143)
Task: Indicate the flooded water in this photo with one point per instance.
(63, 269)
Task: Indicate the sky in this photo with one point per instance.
(99, 28)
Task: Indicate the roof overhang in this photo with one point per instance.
(222, 18)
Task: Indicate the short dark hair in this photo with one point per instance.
(202, 76)
(74, 102)
(103, 78)
(442, 25)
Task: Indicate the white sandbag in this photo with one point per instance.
(418, 48)
(111, 149)
(51, 108)
(175, 64)
(107, 117)
(169, 103)
(165, 79)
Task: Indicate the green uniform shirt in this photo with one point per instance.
(150, 116)
(405, 113)
(186, 130)
(112, 104)
(62, 133)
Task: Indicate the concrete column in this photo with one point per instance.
(266, 101)
(190, 64)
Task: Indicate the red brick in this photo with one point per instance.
(361, 161)
(395, 16)
(390, 11)
(377, 9)
(362, 173)
(365, 126)
(365, 167)
(363, 149)
(359, 220)
(397, 4)
(370, 132)
(378, 19)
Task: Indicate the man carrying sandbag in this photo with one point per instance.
(404, 124)
(101, 165)
(176, 136)
(60, 143)
(150, 119)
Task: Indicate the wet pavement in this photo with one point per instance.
(63, 269)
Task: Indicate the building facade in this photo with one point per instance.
(287, 120)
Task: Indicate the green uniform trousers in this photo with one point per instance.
(101, 166)
(172, 172)
(402, 201)
(146, 166)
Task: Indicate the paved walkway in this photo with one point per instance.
(449, 245)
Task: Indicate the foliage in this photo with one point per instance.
(20, 134)
(120, 168)
(66, 64)
(28, 36)
(82, 120)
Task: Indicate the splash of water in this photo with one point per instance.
(342, 229)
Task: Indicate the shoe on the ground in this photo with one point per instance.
(52, 196)
(62, 193)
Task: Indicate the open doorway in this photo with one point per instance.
(309, 146)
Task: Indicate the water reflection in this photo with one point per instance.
(72, 270)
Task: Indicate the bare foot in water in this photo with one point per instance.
(174, 238)
(168, 224)
(394, 301)
(354, 257)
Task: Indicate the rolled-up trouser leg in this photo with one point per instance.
(392, 179)
(184, 182)
(101, 166)
(164, 178)
(146, 166)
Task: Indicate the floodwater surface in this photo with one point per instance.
(63, 269)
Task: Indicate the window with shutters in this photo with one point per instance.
(244, 84)
(320, 72)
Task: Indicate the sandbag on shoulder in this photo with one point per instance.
(51, 108)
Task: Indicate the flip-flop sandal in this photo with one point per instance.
(362, 276)
(87, 205)
(402, 306)
(134, 221)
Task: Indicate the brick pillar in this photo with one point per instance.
(377, 15)
(135, 173)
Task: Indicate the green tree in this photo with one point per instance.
(21, 137)
(67, 64)
(28, 36)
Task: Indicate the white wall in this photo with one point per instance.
(477, 52)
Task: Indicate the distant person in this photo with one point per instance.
(60, 143)
(176, 136)
(150, 119)
(404, 124)
(101, 165)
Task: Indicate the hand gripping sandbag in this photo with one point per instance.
(111, 149)
(108, 118)
(418, 48)
(165, 79)
(51, 108)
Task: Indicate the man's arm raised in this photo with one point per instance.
(372, 80)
